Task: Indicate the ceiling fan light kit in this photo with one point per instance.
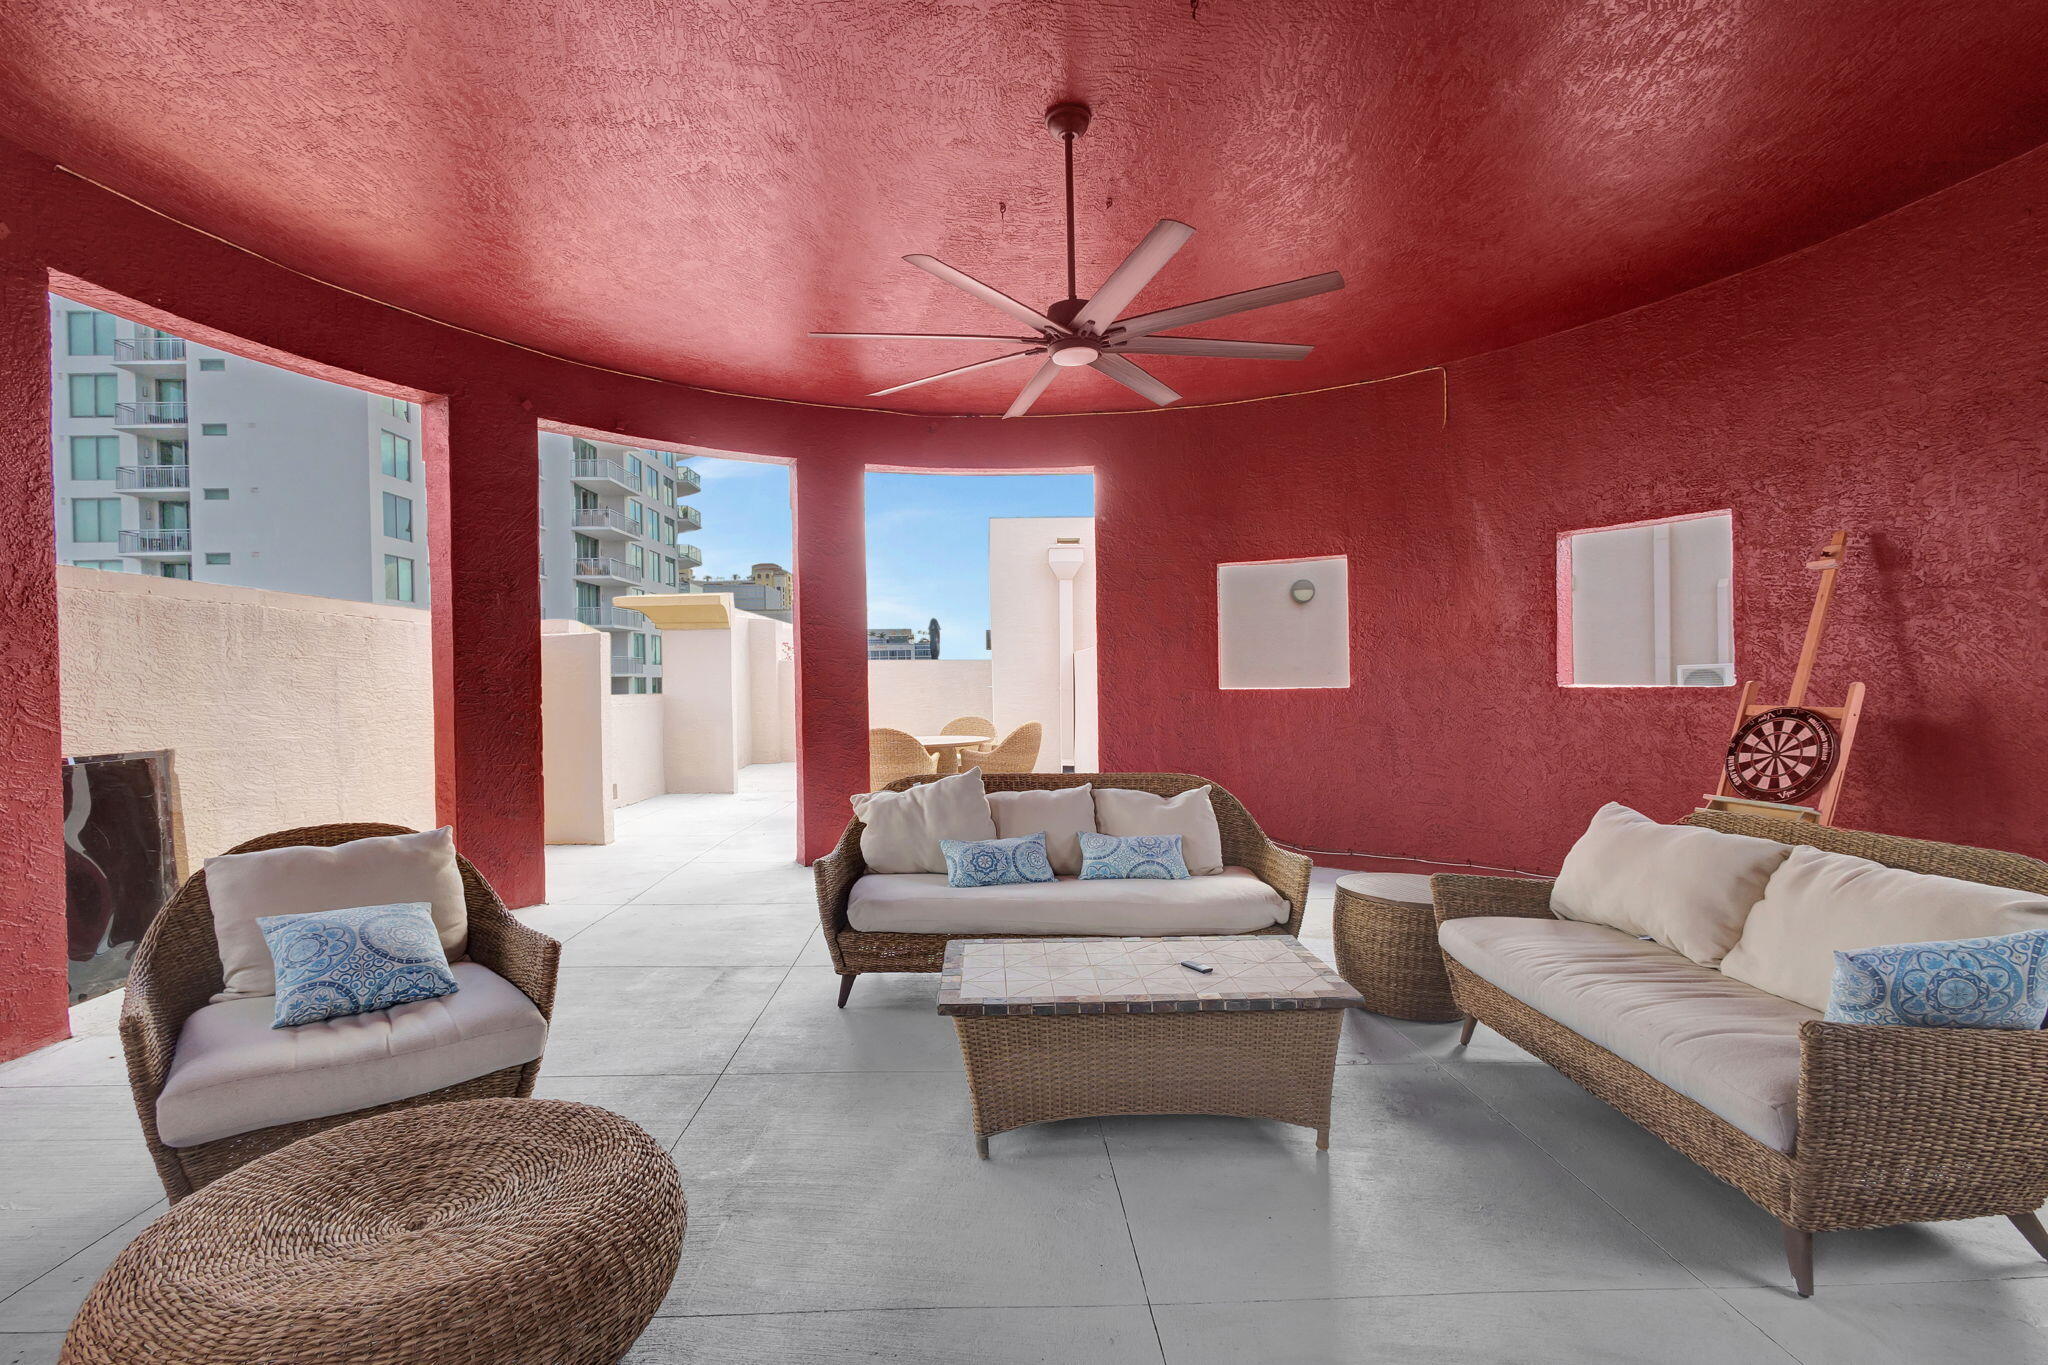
(1075, 332)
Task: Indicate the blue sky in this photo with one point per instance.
(927, 536)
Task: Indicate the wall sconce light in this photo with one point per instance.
(1302, 591)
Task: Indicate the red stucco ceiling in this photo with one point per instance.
(685, 189)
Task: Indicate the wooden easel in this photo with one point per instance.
(1845, 716)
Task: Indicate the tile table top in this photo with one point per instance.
(1039, 976)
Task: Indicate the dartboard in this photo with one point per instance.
(1781, 755)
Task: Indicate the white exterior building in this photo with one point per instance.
(181, 461)
(611, 526)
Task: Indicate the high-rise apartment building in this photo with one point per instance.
(182, 461)
(611, 525)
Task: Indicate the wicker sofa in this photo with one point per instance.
(1893, 1125)
(854, 952)
(177, 970)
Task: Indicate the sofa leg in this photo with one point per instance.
(845, 988)
(2030, 1228)
(1465, 1033)
(1799, 1255)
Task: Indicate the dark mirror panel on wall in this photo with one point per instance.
(119, 862)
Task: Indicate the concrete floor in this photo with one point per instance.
(1474, 1206)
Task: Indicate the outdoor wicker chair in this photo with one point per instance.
(969, 725)
(1895, 1125)
(177, 970)
(1018, 753)
(893, 754)
(855, 952)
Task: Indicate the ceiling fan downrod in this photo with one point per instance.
(1067, 122)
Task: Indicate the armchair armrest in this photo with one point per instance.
(1458, 896)
(1286, 872)
(149, 1039)
(518, 952)
(835, 874)
(1916, 1124)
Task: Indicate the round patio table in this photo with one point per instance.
(947, 748)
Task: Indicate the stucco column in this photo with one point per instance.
(831, 647)
(483, 515)
(703, 669)
(33, 992)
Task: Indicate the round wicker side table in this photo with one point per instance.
(486, 1232)
(1386, 946)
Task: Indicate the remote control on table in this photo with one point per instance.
(1198, 967)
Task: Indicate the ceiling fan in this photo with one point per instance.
(1076, 331)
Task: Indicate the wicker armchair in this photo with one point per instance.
(969, 725)
(177, 970)
(1018, 753)
(854, 951)
(1895, 1125)
(893, 754)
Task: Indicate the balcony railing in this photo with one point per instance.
(131, 478)
(690, 555)
(688, 480)
(610, 618)
(626, 663)
(603, 519)
(156, 542)
(149, 414)
(134, 350)
(606, 472)
(607, 568)
(688, 518)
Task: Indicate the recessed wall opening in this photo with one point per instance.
(1283, 624)
(1648, 603)
(981, 623)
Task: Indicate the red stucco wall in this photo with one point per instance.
(1890, 381)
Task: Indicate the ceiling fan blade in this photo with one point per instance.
(959, 369)
(1133, 378)
(1128, 280)
(1231, 350)
(1264, 297)
(1033, 387)
(920, 336)
(994, 298)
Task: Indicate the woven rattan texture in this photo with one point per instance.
(1387, 950)
(1244, 845)
(1895, 1125)
(177, 970)
(1254, 1065)
(495, 1232)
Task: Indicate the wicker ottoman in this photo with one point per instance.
(1386, 946)
(485, 1232)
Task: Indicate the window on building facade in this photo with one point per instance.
(89, 333)
(634, 517)
(588, 600)
(398, 578)
(171, 452)
(396, 407)
(633, 470)
(212, 366)
(584, 449)
(95, 457)
(95, 519)
(217, 557)
(636, 557)
(395, 453)
(174, 516)
(397, 517)
(586, 547)
(108, 565)
(170, 569)
(654, 649)
(214, 494)
(93, 395)
(654, 684)
(637, 647)
(213, 428)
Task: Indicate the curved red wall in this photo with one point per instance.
(1889, 381)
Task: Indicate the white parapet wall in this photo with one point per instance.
(921, 695)
(278, 709)
(1025, 612)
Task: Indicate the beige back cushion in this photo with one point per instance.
(1689, 889)
(1819, 904)
(1062, 814)
(903, 828)
(385, 870)
(1121, 811)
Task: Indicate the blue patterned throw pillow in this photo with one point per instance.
(334, 963)
(996, 862)
(1999, 982)
(1113, 857)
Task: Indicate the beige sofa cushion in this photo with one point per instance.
(1821, 903)
(1730, 1047)
(1232, 902)
(232, 1072)
(387, 870)
(1689, 889)
(1062, 814)
(903, 828)
(1122, 812)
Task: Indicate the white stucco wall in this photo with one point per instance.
(633, 747)
(921, 695)
(279, 709)
(575, 683)
(1025, 664)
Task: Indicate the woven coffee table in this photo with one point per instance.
(1385, 931)
(1062, 1028)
